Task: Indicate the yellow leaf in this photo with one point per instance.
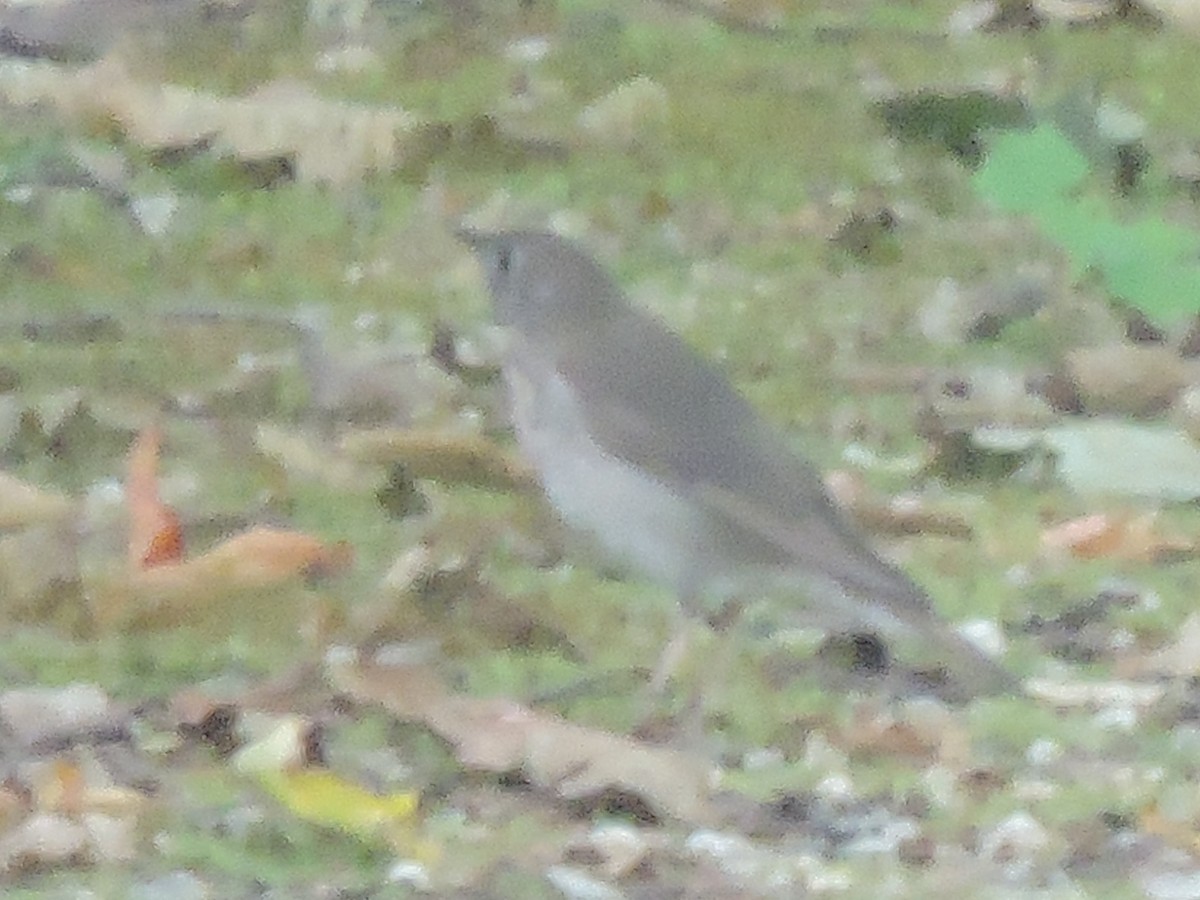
(321, 797)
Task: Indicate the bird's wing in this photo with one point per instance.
(659, 405)
(680, 419)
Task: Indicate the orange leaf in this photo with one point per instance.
(1181, 835)
(1117, 536)
(1089, 537)
(269, 555)
(155, 536)
(62, 788)
(223, 585)
(166, 545)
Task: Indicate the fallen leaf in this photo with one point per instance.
(261, 557)
(64, 786)
(923, 732)
(1179, 659)
(49, 840)
(78, 29)
(901, 516)
(323, 797)
(39, 714)
(1095, 694)
(1181, 835)
(304, 458)
(281, 744)
(23, 504)
(954, 313)
(1114, 536)
(226, 584)
(1129, 379)
(163, 590)
(619, 848)
(155, 533)
(633, 114)
(1182, 13)
(499, 735)
(442, 456)
(330, 141)
(39, 574)
(280, 759)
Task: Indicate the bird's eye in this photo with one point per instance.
(504, 259)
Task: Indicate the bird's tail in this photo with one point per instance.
(967, 666)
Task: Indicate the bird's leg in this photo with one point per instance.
(705, 684)
(708, 685)
(673, 653)
(653, 720)
(652, 714)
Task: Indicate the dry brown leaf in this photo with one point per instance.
(1182, 835)
(48, 840)
(161, 589)
(155, 534)
(166, 544)
(218, 582)
(902, 516)
(1179, 659)
(262, 557)
(497, 735)
(304, 457)
(918, 737)
(1114, 536)
(633, 114)
(16, 802)
(329, 140)
(23, 505)
(64, 786)
(442, 456)
(39, 573)
(981, 397)
(61, 788)
(954, 313)
(618, 849)
(1130, 379)
(1181, 13)
(35, 715)
(71, 29)
(1095, 694)
(281, 743)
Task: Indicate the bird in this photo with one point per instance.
(650, 451)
